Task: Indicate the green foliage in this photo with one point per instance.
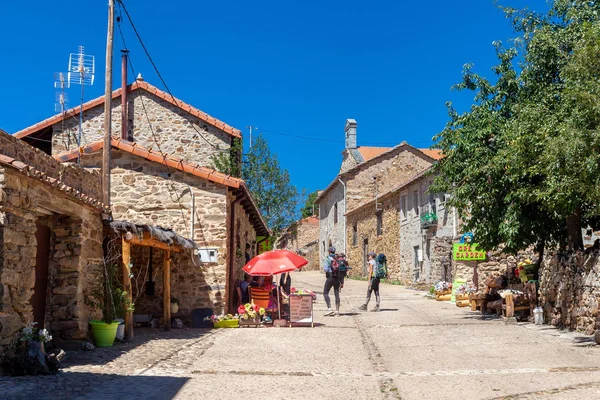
(270, 185)
(523, 164)
(229, 161)
(308, 209)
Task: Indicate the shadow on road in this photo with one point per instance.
(85, 385)
(104, 355)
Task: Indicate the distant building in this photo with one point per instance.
(365, 172)
(302, 237)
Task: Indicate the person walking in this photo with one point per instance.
(331, 268)
(373, 284)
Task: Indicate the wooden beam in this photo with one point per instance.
(148, 241)
(167, 289)
(126, 249)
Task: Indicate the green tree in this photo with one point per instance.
(309, 206)
(523, 163)
(277, 199)
(229, 161)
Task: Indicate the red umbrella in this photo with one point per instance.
(274, 262)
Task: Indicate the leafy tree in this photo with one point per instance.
(308, 209)
(277, 199)
(230, 161)
(523, 163)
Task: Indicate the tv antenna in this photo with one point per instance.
(61, 83)
(81, 72)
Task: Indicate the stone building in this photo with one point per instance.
(365, 172)
(302, 237)
(161, 176)
(412, 228)
(50, 242)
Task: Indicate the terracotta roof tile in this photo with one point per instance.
(150, 155)
(55, 183)
(433, 153)
(372, 152)
(115, 94)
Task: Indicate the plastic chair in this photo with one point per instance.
(261, 298)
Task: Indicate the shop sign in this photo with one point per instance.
(467, 252)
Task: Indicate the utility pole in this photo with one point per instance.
(250, 128)
(107, 105)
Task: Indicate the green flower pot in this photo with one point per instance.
(104, 334)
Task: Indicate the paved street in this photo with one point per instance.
(415, 348)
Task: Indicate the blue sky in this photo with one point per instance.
(298, 68)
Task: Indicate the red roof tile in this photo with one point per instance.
(369, 153)
(115, 94)
(433, 153)
(133, 148)
(55, 183)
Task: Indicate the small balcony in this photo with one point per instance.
(428, 215)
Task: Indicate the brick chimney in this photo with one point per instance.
(350, 134)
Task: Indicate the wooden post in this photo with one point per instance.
(107, 107)
(167, 289)
(510, 306)
(126, 249)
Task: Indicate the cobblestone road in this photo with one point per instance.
(415, 348)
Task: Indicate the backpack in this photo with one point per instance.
(343, 264)
(335, 266)
(381, 266)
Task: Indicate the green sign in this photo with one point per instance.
(467, 252)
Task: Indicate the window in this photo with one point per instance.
(416, 202)
(379, 215)
(404, 206)
(354, 235)
(335, 213)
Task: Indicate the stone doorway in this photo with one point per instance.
(38, 300)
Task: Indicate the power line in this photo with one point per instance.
(170, 187)
(331, 140)
(122, 5)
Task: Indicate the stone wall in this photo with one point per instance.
(331, 232)
(171, 125)
(389, 171)
(415, 238)
(497, 263)
(86, 182)
(302, 237)
(388, 242)
(74, 259)
(569, 290)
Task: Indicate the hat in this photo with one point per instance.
(332, 249)
(372, 254)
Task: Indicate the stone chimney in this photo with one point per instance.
(350, 134)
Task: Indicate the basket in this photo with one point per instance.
(250, 322)
(444, 297)
(463, 303)
(444, 292)
(226, 323)
(462, 297)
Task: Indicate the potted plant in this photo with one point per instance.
(250, 314)
(107, 297)
(224, 320)
(174, 305)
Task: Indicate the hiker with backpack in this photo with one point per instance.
(344, 267)
(332, 273)
(377, 271)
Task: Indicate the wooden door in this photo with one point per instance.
(38, 300)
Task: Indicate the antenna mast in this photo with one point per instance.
(81, 72)
(61, 83)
